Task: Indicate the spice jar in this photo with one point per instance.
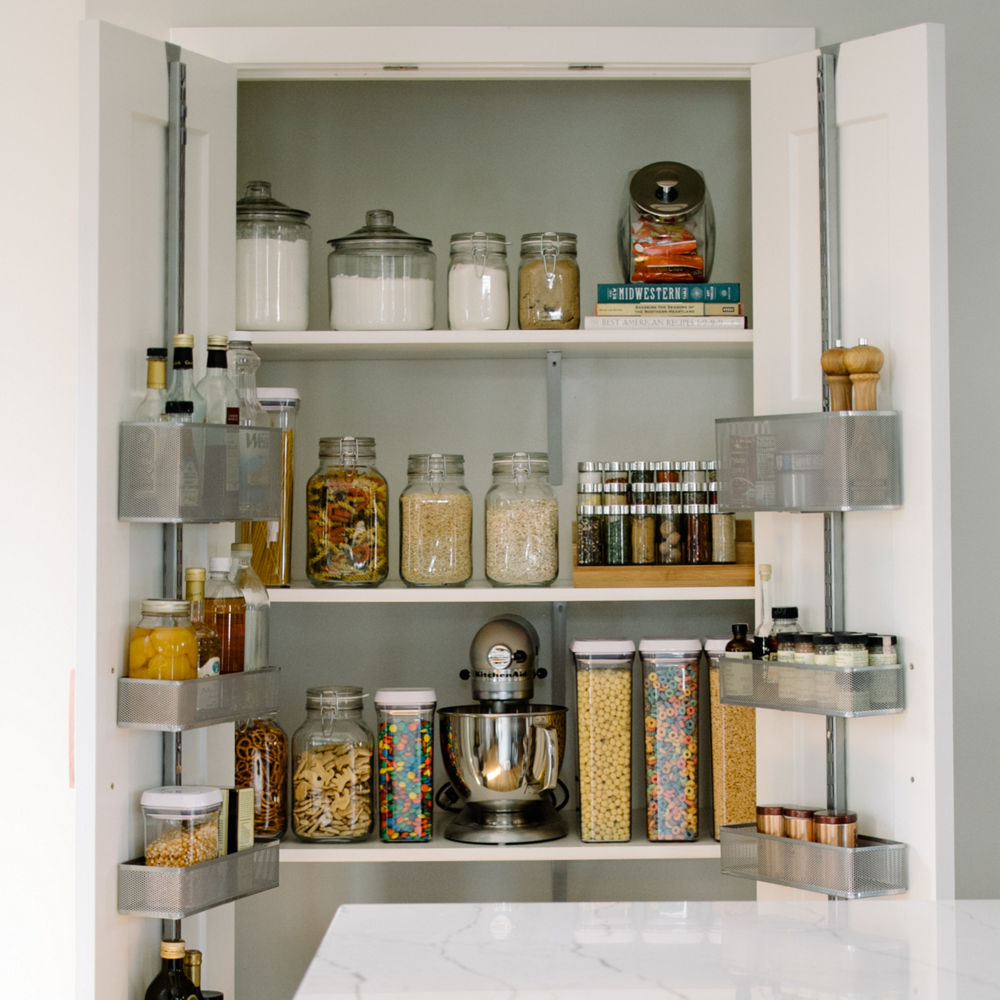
(798, 822)
(164, 645)
(261, 763)
(851, 649)
(698, 521)
(672, 531)
(882, 650)
(522, 522)
(723, 530)
(617, 535)
(381, 278)
(272, 262)
(783, 619)
(347, 516)
(548, 282)
(405, 763)
(435, 522)
(604, 737)
(839, 829)
(670, 699)
(589, 535)
(332, 768)
(478, 290)
(643, 524)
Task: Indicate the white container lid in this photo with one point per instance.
(716, 645)
(274, 395)
(602, 647)
(219, 564)
(405, 696)
(651, 647)
(186, 798)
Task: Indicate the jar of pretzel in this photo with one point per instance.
(262, 764)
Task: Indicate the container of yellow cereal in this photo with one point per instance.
(604, 737)
(181, 824)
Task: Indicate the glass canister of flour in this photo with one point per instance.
(381, 278)
(478, 286)
(272, 262)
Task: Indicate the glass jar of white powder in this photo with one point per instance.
(381, 278)
(272, 262)
(478, 288)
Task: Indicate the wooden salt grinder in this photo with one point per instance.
(864, 362)
(837, 377)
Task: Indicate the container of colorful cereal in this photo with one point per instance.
(670, 699)
(347, 516)
(405, 763)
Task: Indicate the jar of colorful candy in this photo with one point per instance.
(670, 685)
(405, 763)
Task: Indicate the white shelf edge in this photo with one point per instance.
(394, 592)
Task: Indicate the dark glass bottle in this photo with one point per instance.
(170, 983)
(740, 645)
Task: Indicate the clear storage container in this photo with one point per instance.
(164, 645)
(347, 516)
(670, 700)
(604, 737)
(405, 763)
(435, 522)
(548, 282)
(332, 768)
(261, 763)
(381, 278)
(181, 824)
(478, 286)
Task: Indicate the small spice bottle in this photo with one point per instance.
(839, 829)
(798, 822)
(589, 535)
(642, 518)
(642, 472)
(805, 648)
(694, 492)
(699, 533)
(672, 532)
(783, 619)
(668, 472)
(882, 650)
(588, 473)
(770, 820)
(589, 494)
(617, 535)
(614, 493)
(852, 649)
(723, 535)
(690, 472)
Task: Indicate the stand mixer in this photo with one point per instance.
(502, 755)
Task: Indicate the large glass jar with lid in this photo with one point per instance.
(478, 288)
(381, 278)
(164, 645)
(347, 516)
(332, 767)
(548, 282)
(522, 522)
(272, 262)
(435, 522)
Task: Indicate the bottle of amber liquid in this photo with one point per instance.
(170, 983)
(226, 612)
(209, 644)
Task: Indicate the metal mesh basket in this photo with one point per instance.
(175, 893)
(874, 868)
(848, 692)
(847, 460)
(171, 706)
(198, 473)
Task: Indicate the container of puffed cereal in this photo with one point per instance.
(181, 824)
(670, 727)
(604, 737)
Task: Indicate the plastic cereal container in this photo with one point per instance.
(670, 722)
(181, 824)
(604, 737)
(405, 762)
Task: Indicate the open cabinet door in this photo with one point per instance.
(124, 113)
(893, 264)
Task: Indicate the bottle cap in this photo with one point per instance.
(788, 612)
(410, 697)
(194, 573)
(219, 564)
(171, 949)
(183, 340)
(218, 342)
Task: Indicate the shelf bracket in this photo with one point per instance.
(553, 396)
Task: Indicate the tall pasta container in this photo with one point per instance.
(604, 737)
(670, 726)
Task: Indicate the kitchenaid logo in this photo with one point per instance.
(493, 675)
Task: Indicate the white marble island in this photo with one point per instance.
(882, 948)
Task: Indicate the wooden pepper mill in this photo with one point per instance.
(837, 377)
(864, 362)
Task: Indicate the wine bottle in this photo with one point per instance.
(192, 969)
(182, 377)
(170, 983)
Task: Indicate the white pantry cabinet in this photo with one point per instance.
(899, 768)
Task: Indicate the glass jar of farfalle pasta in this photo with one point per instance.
(261, 762)
(347, 516)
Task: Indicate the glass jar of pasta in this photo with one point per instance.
(347, 516)
(261, 761)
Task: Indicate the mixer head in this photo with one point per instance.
(502, 661)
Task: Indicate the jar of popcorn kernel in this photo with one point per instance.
(604, 737)
(181, 824)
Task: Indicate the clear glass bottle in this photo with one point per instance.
(435, 522)
(226, 612)
(522, 522)
(347, 516)
(243, 362)
(272, 262)
(154, 402)
(163, 645)
(182, 385)
(478, 287)
(763, 629)
(784, 620)
(209, 644)
(548, 282)
(261, 763)
(222, 401)
(256, 648)
(332, 768)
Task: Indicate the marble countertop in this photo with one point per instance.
(879, 948)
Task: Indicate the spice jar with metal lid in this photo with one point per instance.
(435, 522)
(672, 530)
(617, 535)
(723, 535)
(261, 763)
(548, 282)
(332, 767)
(164, 645)
(668, 226)
(642, 519)
(381, 278)
(839, 829)
(522, 521)
(272, 262)
(698, 520)
(347, 516)
(589, 535)
(478, 289)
